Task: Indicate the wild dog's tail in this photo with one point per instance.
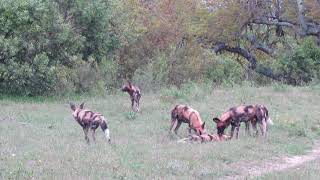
(105, 129)
(269, 121)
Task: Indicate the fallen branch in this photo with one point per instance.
(266, 71)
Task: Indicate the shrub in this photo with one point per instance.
(109, 70)
(36, 78)
(152, 77)
(65, 78)
(39, 40)
(225, 71)
(188, 91)
(302, 65)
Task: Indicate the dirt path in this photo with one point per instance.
(253, 170)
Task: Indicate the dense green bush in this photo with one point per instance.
(188, 91)
(154, 75)
(28, 79)
(225, 71)
(43, 45)
(67, 46)
(302, 65)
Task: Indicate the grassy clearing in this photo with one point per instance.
(39, 138)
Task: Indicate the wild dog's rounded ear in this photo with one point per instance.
(203, 125)
(216, 120)
(72, 106)
(81, 105)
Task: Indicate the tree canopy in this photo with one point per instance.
(64, 46)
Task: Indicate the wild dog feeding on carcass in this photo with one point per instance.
(204, 138)
(89, 120)
(185, 114)
(236, 115)
(135, 95)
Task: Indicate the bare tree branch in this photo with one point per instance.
(273, 22)
(266, 71)
(258, 45)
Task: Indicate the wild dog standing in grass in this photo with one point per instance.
(185, 114)
(264, 121)
(89, 120)
(236, 115)
(135, 95)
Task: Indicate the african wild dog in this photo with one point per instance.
(135, 95)
(236, 115)
(185, 114)
(265, 120)
(90, 120)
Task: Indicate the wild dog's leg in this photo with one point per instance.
(177, 127)
(264, 128)
(173, 125)
(232, 130)
(85, 130)
(137, 106)
(237, 129)
(132, 103)
(138, 101)
(248, 128)
(254, 126)
(189, 130)
(93, 134)
(236, 126)
(261, 127)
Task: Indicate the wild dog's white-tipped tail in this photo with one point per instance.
(105, 129)
(270, 122)
(107, 134)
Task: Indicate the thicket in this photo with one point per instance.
(73, 46)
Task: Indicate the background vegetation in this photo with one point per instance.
(66, 46)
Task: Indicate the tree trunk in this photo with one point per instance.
(279, 29)
(301, 15)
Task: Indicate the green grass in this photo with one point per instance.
(39, 138)
(308, 171)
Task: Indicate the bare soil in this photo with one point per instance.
(249, 169)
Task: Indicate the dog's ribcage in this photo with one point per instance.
(88, 118)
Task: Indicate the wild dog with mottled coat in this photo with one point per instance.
(135, 95)
(90, 120)
(236, 115)
(265, 120)
(185, 114)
